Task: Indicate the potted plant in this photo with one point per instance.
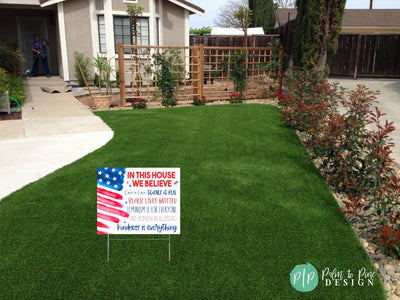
(104, 69)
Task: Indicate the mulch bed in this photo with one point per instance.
(12, 116)
(88, 102)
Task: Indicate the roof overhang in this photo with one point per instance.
(44, 3)
(18, 2)
(193, 9)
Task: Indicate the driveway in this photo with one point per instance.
(389, 102)
(55, 130)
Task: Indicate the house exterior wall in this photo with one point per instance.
(73, 26)
(77, 30)
(370, 30)
(120, 5)
(99, 5)
(173, 24)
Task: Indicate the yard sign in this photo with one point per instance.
(138, 201)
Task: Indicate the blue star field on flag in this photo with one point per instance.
(112, 178)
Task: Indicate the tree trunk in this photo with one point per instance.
(323, 55)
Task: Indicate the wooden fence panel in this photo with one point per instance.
(232, 41)
(367, 56)
(345, 57)
(376, 55)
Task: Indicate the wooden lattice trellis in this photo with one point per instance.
(200, 71)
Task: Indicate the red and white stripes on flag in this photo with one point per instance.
(109, 210)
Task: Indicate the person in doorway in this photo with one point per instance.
(38, 47)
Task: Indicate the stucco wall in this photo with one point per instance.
(120, 5)
(173, 25)
(77, 30)
(99, 4)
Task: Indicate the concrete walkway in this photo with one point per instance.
(55, 130)
(389, 102)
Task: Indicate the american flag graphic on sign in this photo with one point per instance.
(109, 200)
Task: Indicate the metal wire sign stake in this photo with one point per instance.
(138, 201)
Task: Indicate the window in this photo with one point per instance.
(122, 32)
(143, 32)
(102, 34)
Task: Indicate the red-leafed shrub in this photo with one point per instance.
(353, 146)
(139, 103)
(197, 100)
(389, 241)
(309, 100)
(236, 98)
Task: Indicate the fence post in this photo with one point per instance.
(198, 70)
(357, 56)
(121, 70)
(280, 70)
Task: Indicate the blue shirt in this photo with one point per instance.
(39, 46)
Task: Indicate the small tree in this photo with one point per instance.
(103, 66)
(134, 11)
(236, 14)
(318, 25)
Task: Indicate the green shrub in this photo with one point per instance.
(169, 72)
(14, 84)
(10, 60)
(197, 100)
(16, 88)
(238, 72)
(85, 65)
(3, 81)
(276, 62)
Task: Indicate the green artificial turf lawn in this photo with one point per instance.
(253, 206)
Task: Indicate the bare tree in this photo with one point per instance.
(285, 3)
(226, 12)
(236, 14)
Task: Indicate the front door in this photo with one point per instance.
(27, 26)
